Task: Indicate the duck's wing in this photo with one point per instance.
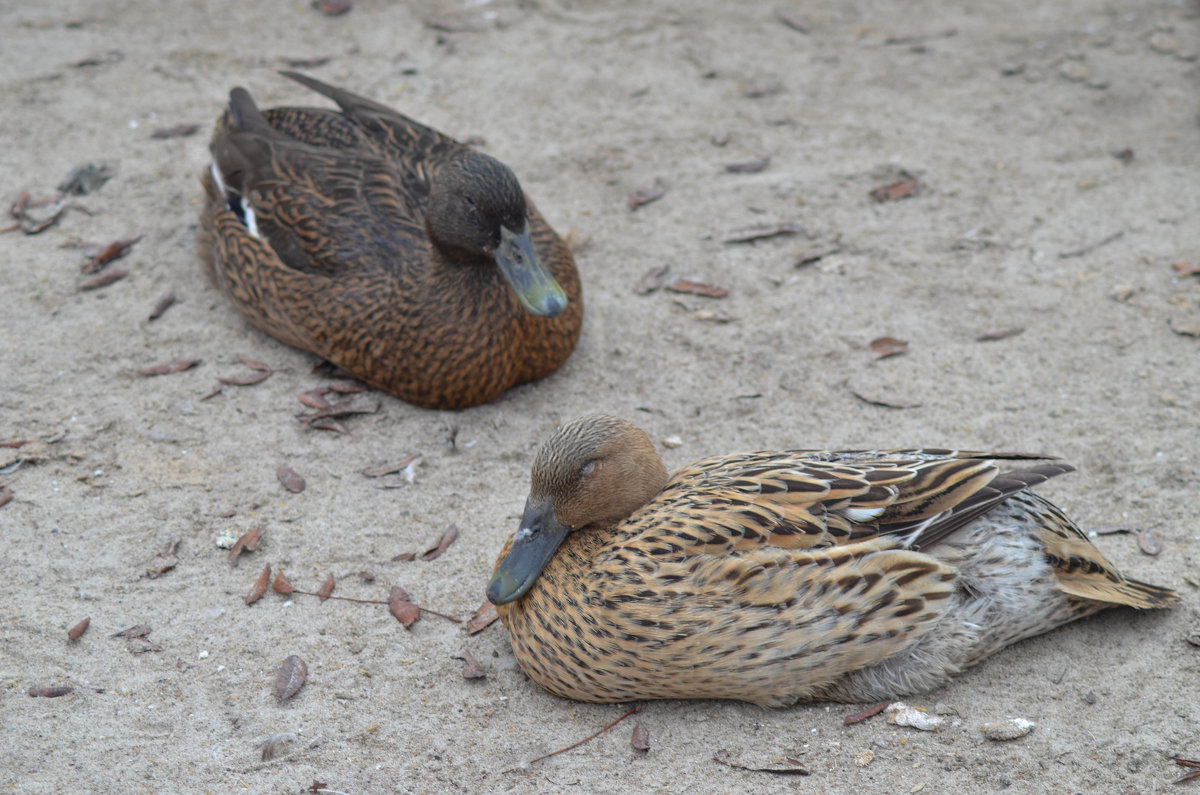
(808, 499)
(324, 210)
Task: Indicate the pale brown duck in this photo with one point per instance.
(407, 258)
(776, 577)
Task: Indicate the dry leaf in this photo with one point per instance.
(282, 584)
(315, 398)
(332, 8)
(1187, 328)
(897, 190)
(290, 480)
(641, 737)
(290, 678)
(113, 251)
(869, 712)
(472, 669)
(163, 305)
(793, 766)
(1184, 269)
(1149, 543)
(76, 632)
(405, 557)
(103, 279)
(999, 334)
(136, 631)
(166, 368)
(652, 280)
(245, 380)
(794, 20)
(141, 646)
(448, 536)
(817, 251)
(405, 611)
(697, 288)
(177, 131)
(749, 166)
(48, 692)
(485, 615)
(326, 588)
(329, 424)
(260, 586)
(647, 195)
(762, 232)
(883, 347)
(164, 562)
(248, 542)
(342, 409)
(388, 469)
(5, 496)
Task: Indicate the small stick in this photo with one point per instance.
(869, 712)
(591, 736)
(379, 602)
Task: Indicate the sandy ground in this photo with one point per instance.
(1008, 113)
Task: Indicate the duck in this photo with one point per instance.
(412, 261)
(777, 577)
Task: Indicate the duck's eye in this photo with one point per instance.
(587, 469)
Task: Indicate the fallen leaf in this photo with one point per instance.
(113, 251)
(136, 631)
(1187, 328)
(869, 712)
(405, 611)
(176, 131)
(1149, 543)
(697, 288)
(762, 232)
(260, 586)
(166, 368)
(247, 542)
(652, 280)
(341, 409)
(5, 496)
(1184, 269)
(817, 251)
(884, 347)
(1189, 763)
(290, 479)
(999, 334)
(793, 766)
(290, 677)
(388, 469)
(405, 557)
(282, 584)
(641, 737)
(315, 398)
(326, 588)
(447, 538)
(48, 692)
(472, 669)
(163, 305)
(796, 21)
(308, 63)
(748, 166)
(76, 632)
(141, 646)
(85, 178)
(897, 190)
(332, 8)
(245, 380)
(103, 279)
(484, 616)
(329, 424)
(164, 562)
(646, 195)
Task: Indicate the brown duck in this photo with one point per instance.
(411, 260)
(776, 577)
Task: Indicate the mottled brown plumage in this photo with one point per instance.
(409, 259)
(776, 577)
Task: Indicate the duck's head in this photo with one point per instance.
(591, 473)
(476, 205)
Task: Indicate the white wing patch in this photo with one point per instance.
(247, 210)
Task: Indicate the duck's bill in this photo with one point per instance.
(533, 284)
(534, 544)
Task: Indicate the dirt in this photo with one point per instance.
(1054, 152)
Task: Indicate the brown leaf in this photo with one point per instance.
(247, 542)
(315, 398)
(405, 557)
(141, 646)
(484, 616)
(260, 586)
(113, 251)
(472, 669)
(652, 280)
(326, 588)
(388, 469)
(1188, 763)
(762, 232)
(646, 195)
(330, 424)
(999, 334)
(166, 368)
(869, 712)
(1184, 269)
(697, 288)
(163, 305)
(76, 632)
(290, 479)
(5, 496)
(1149, 543)
(748, 166)
(290, 677)
(308, 63)
(136, 631)
(817, 251)
(341, 409)
(641, 737)
(448, 536)
(1124, 155)
(48, 692)
(793, 766)
(176, 131)
(332, 8)
(405, 611)
(897, 190)
(164, 562)
(794, 20)
(103, 279)
(282, 584)
(883, 347)
(245, 380)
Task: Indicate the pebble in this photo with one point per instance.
(1009, 729)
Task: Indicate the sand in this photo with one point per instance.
(1012, 116)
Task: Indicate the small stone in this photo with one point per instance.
(1008, 729)
(901, 714)
(1162, 42)
(671, 442)
(1122, 292)
(1075, 71)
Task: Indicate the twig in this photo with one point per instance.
(378, 602)
(1079, 252)
(591, 736)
